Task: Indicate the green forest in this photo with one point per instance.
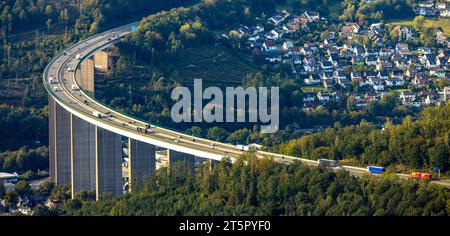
(420, 144)
(154, 60)
(257, 187)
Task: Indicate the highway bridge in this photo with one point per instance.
(86, 136)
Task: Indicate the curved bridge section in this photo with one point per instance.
(86, 137)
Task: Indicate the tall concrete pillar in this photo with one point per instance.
(83, 155)
(60, 140)
(142, 162)
(212, 163)
(174, 157)
(101, 60)
(209, 162)
(52, 138)
(108, 163)
(87, 75)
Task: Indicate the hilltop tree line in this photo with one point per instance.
(420, 144)
(22, 126)
(24, 159)
(372, 11)
(256, 187)
(87, 16)
(161, 36)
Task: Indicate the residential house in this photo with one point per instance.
(327, 75)
(426, 11)
(328, 83)
(404, 32)
(274, 34)
(397, 74)
(326, 66)
(296, 59)
(311, 67)
(446, 94)
(386, 52)
(371, 61)
(430, 61)
(441, 6)
(313, 79)
(357, 78)
(309, 97)
(339, 75)
(431, 99)
(420, 79)
(438, 72)
(371, 96)
(370, 51)
(323, 97)
(278, 18)
(370, 75)
(402, 48)
(445, 13)
(270, 46)
(343, 82)
(394, 82)
(426, 4)
(306, 51)
(287, 45)
(383, 74)
(358, 60)
(424, 50)
(406, 96)
(377, 84)
(342, 65)
(312, 16)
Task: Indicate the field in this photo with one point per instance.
(215, 66)
(313, 89)
(443, 24)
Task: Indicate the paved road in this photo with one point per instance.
(66, 92)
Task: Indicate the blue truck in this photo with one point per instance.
(375, 169)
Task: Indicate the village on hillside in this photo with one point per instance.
(365, 61)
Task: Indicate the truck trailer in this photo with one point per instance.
(327, 163)
(242, 147)
(375, 169)
(97, 114)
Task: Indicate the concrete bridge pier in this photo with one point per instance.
(142, 163)
(85, 75)
(59, 143)
(101, 60)
(175, 159)
(108, 160)
(212, 163)
(83, 156)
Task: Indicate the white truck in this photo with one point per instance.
(241, 147)
(51, 80)
(97, 114)
(56, 89)
(78, 56)
(75, 87)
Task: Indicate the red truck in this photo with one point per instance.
(419, 175)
